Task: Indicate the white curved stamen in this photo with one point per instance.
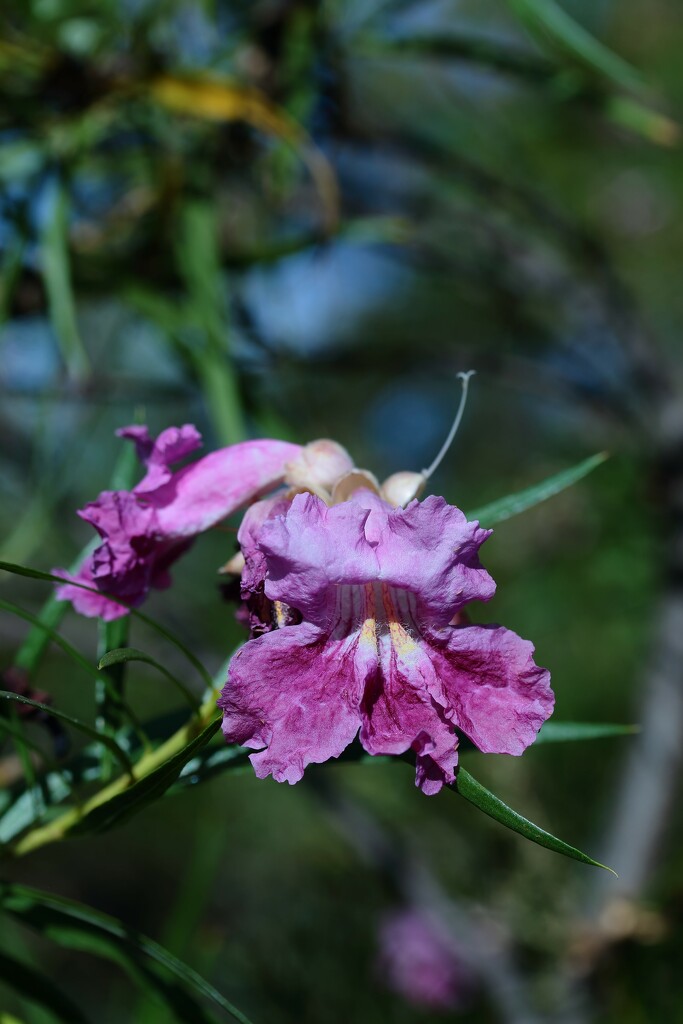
(465, 378)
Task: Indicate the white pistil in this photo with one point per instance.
(401, 488)
(465, 378)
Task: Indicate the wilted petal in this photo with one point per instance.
(132, 558)
(145, 530)
(297, 694)
(86, 602)
(158, 455)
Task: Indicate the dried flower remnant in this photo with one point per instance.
(145, 530)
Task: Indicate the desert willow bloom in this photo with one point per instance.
(366, 635)
(354, 593)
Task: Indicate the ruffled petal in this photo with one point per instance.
(159, 455)
(430, 549)
(85, 602)
(400, 712)
(493, 690)
(297, 694)
(311, 550)
(145, 530)
(133, 558)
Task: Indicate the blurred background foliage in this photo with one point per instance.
(302, 219)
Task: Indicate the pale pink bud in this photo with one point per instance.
(401, 488)
(319, 465)
(356, 480)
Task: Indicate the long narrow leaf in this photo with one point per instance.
(198, 258)
(471, 790)
(72, 923)
(122, 655)
(35, 987)
(18, 810)
(124, 805)
(57, 277)
(76, 723)
(37, 574)
(550, 23)
(566, 732)
(73, 652)
(513, 504)
(30, 654)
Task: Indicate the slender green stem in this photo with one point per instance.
(56, 829)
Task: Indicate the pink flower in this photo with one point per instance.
(146, 529)
(418, 961)
(375, 654)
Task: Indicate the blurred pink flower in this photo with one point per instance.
(418, 961)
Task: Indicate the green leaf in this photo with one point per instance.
(124, 805)
(36, 574)
(35, 987)
(125, 654)
(552, 25)
(76, 925)
(642, 120)
(209, 763)
(14, 727)
(10, 272)
(21, 808)
(57, 278)
(10, 606)
(82, 727)
(112, 710)
(471, 790)
(199, 261)
(513, 504)
(31, 652)
(564, 732)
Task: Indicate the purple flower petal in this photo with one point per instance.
(312, 549)
(430, 549)
(145, 530)
(377, 587)
(297, 694)
(85, 602)
(201, 494)
(419, 961)
(499, 697)
(158, 455)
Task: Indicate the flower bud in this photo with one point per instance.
(320, 465)
(400, 488)
(356, 480)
